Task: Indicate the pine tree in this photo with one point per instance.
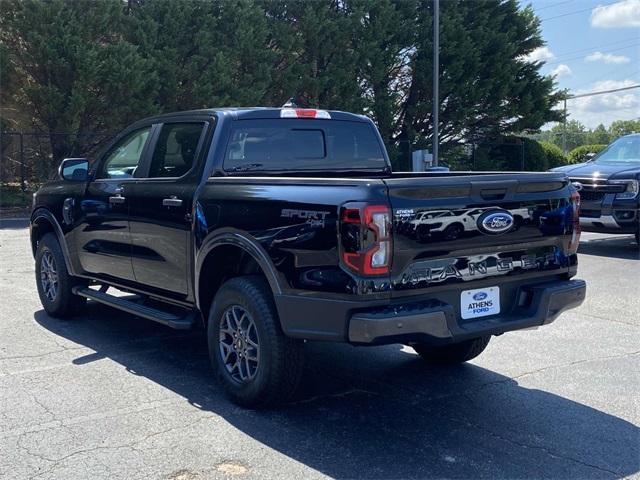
(384, 44)
(487, 88)
(205, 54)
(320, 63)
(77, 74)
(94, 66)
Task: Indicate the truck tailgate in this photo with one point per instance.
(463, 229)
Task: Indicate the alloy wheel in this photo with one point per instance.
(49, 276)
(239, 344)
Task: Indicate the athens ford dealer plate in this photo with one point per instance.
(480, 302)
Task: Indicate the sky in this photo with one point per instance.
(592, 45)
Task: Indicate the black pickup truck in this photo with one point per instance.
(610, 188)
(275, 226)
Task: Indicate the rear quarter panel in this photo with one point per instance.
(294, 220)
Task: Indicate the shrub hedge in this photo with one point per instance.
(555, 157)
(578, 154)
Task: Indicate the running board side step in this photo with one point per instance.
(173, 321)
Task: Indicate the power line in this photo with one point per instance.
(553, 5)
(630, 39)
(580, 56)
(576, 11)
(621, 73)
(589, 94)
(602, 92)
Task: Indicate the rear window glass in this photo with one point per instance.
(277, 144)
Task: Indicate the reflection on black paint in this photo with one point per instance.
(547, 218)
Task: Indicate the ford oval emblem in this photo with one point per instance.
(479, 296)
(495, 222)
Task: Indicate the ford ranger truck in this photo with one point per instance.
(610, 188)
(273, 226)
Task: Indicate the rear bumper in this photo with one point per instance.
(433, 320)
(436, 322)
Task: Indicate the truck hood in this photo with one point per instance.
(598, 170)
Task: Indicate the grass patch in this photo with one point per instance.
(12, 196)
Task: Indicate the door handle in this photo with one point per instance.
(118, 199)
(172, 202)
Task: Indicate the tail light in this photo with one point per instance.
(575, 235)
(365, 238)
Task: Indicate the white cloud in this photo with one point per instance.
(608, 107)
(561, 70)
(606, 58)
(621, 14)
(540, 54)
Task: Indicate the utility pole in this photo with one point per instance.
(564, 127)
(436, 78)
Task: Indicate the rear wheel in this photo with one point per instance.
(422, 233)
(455, 353)
(54, 281)
(453, 231)
(253, 359)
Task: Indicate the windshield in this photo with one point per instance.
(264, 145)
(625, 149)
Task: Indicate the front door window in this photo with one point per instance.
(123, 159)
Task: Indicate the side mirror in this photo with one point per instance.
(589, 155)
(74, 169)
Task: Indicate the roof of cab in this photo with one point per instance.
(246, 113)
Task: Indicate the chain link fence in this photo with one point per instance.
(27, 159)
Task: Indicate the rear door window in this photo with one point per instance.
(175, 150)
(302, 145)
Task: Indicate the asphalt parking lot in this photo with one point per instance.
(111, 396)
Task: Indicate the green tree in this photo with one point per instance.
(205, 54)
(579, 154)
(623, 127)
(599, 135)
(487, 88)
(316, 43)
(574, 132)
(383, 45)
(94, 66)
(77, 72)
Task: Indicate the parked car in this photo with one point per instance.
(609, 188)
(451, 224)
(275, 226)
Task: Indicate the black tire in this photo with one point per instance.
(278, 368)
(422, 234)
(517, 222)
(454, 353)
(453, 231)
(638, 234)
(63, 303)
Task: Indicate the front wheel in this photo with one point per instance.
(455, 353)
(253, 359)
(54, 281)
